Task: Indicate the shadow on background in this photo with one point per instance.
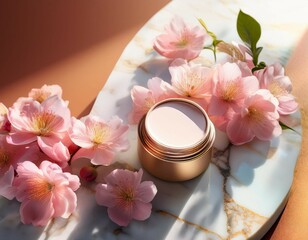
(73, 43)
(36, 33)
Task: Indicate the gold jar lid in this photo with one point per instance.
(176, 131)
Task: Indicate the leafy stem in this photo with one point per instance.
(285, 127)
(249, 31)
(215, 42)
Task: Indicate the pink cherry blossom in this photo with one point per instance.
(45, 192)
(180, 40)
(10, 155)
(230, 89)
(5, 125)
(40, 95)
(273, 78)
(258, 118)
(191, 80)
(239, 54)
(46, 91)
(144, 98)
(247, 55)
(220, 122)
(99, 140)
(233, 50)
(126, 197)
(46, 122)
(6, 184)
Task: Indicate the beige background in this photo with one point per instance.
(76, 43)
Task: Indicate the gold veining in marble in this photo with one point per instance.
(140, 42)
(240, 220)
(240, 216)
(199, 227)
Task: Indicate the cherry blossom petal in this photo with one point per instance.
(146, 191)
(230, 90)
(57, 105)
(144, 98)
(126, 196)
(44, 192)
(272, 78)
(66, 202)
(180, 40)
(287, 105)
(258, 118)
(97, 156)
(37, 213)
(21, 113)
(21, 138)
(104, 196)
(6, 181)
(100, 139)
(265, 130)
(120, 216)
(142, 210)
(54, 148)
(217, 107)
(160, 89)
(118, 129)
(102, 157)
(189, 80)
(73, 180)
(41, 94)
(78, 134)
(239, 131)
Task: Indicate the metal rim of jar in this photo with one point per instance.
(177, 154)
(177, 150)
(181, 155)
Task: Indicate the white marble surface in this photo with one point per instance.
(244, 189)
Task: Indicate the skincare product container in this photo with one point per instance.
(175, 140)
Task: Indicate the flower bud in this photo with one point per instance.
(88, 173)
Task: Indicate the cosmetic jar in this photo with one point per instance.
(175, 140)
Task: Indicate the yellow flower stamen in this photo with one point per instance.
(276, 89)
(184, 40)
(254, 114)
(38, 188)
(193, 81)
(40, 96)
(125, 197)
(4, 158)
(230, 92)
(42, 123)
(100, 133)
(182, 43)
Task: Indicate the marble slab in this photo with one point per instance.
(245, 188)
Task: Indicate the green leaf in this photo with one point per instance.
(260, 66)
(248, 29)
(258, 51)
(285, 127)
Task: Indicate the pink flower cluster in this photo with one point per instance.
(126, 196)
(180, 40)
(240, 102)
(38, 141)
